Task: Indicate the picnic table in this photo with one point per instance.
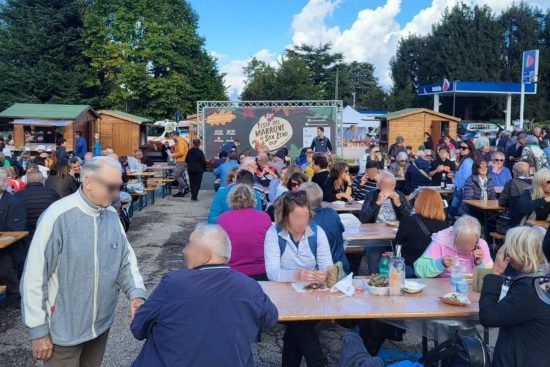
(447, 191)
(324, 305)
(366, 232)
(9, 238)
(541, 223)
(354, 206)
(486, 207)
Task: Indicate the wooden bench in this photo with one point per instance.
(138, 197)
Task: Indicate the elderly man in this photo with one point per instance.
(509, 198)
(36, 198)
(498, 172)
(513, 152)
(206, 314)
(382, 205)
(135, 164)
(78, 261)
(180, 154)
(12, 218)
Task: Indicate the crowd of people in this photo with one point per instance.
(267, 222)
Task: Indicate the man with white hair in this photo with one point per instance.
(385, 204)
(78, 261)
(206, 314)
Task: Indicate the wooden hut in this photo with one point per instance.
(412, 123)
(121, 131)
(44, 124)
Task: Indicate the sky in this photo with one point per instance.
(363, 30)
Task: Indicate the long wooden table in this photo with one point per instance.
(354, 206)
(323, 305)
(359, 234)
(9, 238)
(486, 205)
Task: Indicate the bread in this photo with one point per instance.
(332, 276)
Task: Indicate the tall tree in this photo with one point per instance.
(146, 57)
(41, 52)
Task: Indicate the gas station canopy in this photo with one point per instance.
(476, 89)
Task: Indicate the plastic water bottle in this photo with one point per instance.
(444, 180)
(385, 265)
(456, 273)
(461, 283)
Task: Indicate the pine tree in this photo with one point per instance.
(41, 56)
(147, 57)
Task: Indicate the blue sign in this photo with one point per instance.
(530, 66)
(443, 87)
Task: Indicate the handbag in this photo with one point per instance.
(459, 351)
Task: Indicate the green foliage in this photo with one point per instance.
(473, 44)
(41, 57)
(308, 72)
(134, 55)
(147, 57)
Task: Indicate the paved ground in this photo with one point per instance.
(158, 234)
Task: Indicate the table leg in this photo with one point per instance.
(424, 345)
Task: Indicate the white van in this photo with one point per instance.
(160, 131)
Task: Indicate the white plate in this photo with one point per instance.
(413, 287)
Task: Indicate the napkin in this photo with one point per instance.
(345, 286)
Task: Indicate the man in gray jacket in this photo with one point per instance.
(78, 261)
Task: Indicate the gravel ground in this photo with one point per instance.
(158, 234)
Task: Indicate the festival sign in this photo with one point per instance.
(266, 129)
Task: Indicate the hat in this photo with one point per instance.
(281, 154)
(41, 147)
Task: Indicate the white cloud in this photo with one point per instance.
(373, 36)
(235, 78)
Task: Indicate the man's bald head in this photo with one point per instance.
(521, 169)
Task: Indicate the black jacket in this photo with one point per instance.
(36, 198)
(413, 239)
(64, 186)
(196, 162)
(526, 206)
(369, 211)
(329, 191)
(510, 195)
(523, 319)
(320, 178)
(12, 214)
(62, 156)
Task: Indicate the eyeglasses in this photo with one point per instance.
(376, 151)
(498, 160)
(464, 148)
(429, 155)
(403, 161)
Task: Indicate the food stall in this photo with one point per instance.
(44, 124)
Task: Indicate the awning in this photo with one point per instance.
(44, 123)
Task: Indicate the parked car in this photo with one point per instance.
(468, 130)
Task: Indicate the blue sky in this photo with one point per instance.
(363, 30)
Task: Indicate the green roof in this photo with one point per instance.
(45, 111)
(125, 115)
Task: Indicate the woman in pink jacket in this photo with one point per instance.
(246, 227)
(462, 241)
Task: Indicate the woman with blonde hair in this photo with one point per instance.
(522, 316)
(415, 231)
(534, 203)
(376, 155)
(247, 241)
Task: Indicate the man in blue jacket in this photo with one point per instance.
(205, 315)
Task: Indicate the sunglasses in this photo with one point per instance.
(548, 182)
(429, 155)
(376, 151)
(498, 160)
(295, 184)
(464, 148)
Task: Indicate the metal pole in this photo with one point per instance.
(454, 99)
(521, 104)
(336, 87)
(509, 112)
(353, 100)
(436, 102)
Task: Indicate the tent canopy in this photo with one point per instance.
(352, 117)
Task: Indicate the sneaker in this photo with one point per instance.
(179, 195)
(185, 192)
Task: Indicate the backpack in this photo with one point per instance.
(312, 240)
(460, 351)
